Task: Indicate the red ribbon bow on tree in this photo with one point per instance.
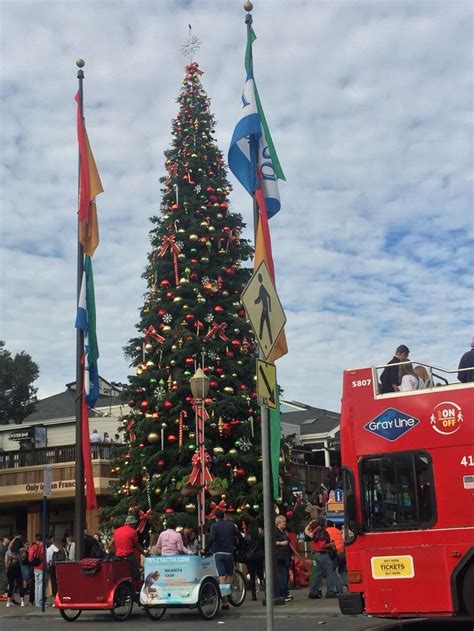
(169, 242)
(143, 518)
(193, 68)
(214, 507)
(152, 332)
(219, 329)
(195, 478)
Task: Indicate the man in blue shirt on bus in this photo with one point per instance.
(389, 378)
(467, 361)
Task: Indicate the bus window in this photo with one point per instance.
(397, 491)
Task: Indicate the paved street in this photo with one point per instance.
(301, 615)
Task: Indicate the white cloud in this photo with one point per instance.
(370, 107)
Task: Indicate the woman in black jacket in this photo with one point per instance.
(254, 555)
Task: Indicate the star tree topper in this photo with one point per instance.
(191, 45)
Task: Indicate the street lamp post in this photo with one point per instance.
(200, 387)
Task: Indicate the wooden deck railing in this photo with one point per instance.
(49, 455)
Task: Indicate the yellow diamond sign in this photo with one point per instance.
(263, 308)
(266, 384)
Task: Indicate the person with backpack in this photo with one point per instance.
(324, 552)
(35, 556)
(55, 553)
(27, 573)
(15, 579)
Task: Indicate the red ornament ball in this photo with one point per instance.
(144, 405)
(165, 283)
(240, 472)
(289, 514)
(161, 463)
(167, 405)
(169, 510)
(218, 309)
(172, 439)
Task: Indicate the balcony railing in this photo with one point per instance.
(49, 455)
(309, 476)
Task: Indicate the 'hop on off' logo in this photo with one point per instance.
(391, 424)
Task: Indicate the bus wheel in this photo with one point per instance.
(468, 590)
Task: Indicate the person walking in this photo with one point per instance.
(222, 539)
(3, 569)
(253, 552)
(27, 573)
(389, 379)
(339, 561)
(323, 550)
(15, 579)
(55, 553)
(283, 554)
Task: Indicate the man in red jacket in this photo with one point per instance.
(126, 545)
(36, 558)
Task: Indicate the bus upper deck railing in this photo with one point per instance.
(431, 375)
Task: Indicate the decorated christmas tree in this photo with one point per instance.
(191, 318)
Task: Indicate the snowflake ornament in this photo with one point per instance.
(159, 393)
(209, 318)
(167, 318)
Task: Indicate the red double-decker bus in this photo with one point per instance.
(408, 470)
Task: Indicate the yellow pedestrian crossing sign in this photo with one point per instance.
(263, 308)
(266, 384)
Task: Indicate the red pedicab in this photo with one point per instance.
(95, 585)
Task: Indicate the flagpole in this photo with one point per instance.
(79, 508)
(268, 506)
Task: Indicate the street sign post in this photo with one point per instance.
(263, 309)
(266, 384)
(47, 481)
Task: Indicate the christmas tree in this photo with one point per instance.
(191, 317)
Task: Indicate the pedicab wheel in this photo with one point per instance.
(239, 589)
(70, 614)
(209, 598)
(123, 602)
(154, 613)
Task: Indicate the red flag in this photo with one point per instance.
(91, 498)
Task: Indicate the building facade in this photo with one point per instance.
(46, 439)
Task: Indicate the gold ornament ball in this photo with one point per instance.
(251, 480)
(229, 390)
(193, 237)
(232, 452)
(153, 437)
(218, 451)
(157, 490)
(133, 489)
(190, 508)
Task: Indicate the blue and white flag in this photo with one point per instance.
(252, 157)
(85, 320)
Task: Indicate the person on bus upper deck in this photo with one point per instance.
(467, 361)
(422, 374)
(389, 379)
(408, 379)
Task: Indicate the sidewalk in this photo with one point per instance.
(301, 606)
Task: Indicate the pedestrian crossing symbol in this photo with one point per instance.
(263, 308)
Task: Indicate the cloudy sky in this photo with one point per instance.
(370, 107)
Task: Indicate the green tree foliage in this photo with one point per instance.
(191, 317)
(17, 394)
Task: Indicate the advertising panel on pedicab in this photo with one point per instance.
(175, 580)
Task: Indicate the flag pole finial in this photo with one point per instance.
(248, 6)
(80, 63)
